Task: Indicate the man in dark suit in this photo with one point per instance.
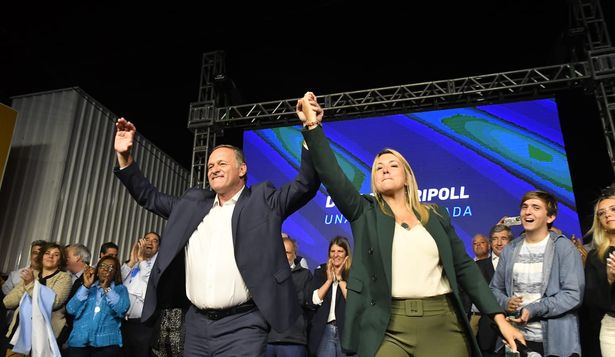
(487, 336)
(78, 258)
(236, 272)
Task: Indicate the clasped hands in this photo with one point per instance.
(309, 111)
(514, 304)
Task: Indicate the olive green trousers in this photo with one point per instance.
(424, 328)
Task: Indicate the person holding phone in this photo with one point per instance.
(598, 328)
(539, 280)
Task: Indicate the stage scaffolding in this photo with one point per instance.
(211, 115)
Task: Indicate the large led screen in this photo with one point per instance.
(477, 162)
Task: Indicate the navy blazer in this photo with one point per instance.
(257, 223)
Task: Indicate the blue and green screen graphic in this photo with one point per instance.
(477, 162)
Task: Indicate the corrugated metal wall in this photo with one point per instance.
(59, 183)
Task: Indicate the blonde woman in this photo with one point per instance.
(403, 289)
(599, 300)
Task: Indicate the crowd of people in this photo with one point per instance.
(221, 281)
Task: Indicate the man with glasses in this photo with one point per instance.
(135, 274)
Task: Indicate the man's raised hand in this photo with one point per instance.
(124, 137)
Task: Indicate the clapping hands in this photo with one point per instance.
(335, 273)
(89, 275)
(610, 268)
(27, 275)
(136, 254)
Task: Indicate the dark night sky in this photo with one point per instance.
(143, 62)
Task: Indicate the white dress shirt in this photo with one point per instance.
(317, 301)
(136, 284)
(13, 279)
(495, 260)
(213, 280)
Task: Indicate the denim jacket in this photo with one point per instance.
(562, 292)
(98, 317)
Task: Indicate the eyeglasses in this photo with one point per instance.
(106, 267)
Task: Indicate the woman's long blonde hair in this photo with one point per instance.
(411, 187)
(601, 241)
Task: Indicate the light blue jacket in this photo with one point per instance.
(97, 329)
(562, 292)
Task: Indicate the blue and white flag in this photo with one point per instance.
(35, 333)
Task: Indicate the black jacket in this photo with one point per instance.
(487, 332)
(297, 333)
(321, 313)
(256, 224)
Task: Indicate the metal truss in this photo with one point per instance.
(601, 58)
(602, 66)
(211, 114)
(589, 18)
(213, 65)
(207, 121)
(526, 83)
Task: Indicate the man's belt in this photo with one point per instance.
(217, 314)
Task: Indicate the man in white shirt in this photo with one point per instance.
(13, 279)
(236, 272)
(135, 274)
(15, 276)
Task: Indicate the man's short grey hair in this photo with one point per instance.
(82, 252)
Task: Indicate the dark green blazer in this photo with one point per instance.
(368, 304)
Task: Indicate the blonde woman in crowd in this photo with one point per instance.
(599, 300)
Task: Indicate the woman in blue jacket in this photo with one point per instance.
(99, 307)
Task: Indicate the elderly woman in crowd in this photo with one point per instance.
(98, 306)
